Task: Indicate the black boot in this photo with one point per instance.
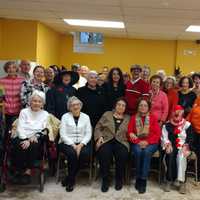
(142, 188)
(118, 185)
(137, 184)
(104, 185)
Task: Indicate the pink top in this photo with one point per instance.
(12, 87)
(159, 105)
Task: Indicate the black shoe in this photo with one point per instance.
(26, 179)
(104, 185)
(118, 185)
(69, 187)
(142, 188)
(137, 184)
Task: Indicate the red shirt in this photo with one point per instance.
(12, 87)
(135, 90)
(154, 130)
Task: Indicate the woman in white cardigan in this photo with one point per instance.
(75, 135)
(31, 121)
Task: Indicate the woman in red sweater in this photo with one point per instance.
(144, 134)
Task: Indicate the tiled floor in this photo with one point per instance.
(84, 191)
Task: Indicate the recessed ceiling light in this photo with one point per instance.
(94, 23)
(193, 28)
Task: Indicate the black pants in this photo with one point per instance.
(24, 158)
(105, 155)
(197, 150)
(171, 174)
(74, 162)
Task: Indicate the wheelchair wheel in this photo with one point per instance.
(2, 187)
(42, 181)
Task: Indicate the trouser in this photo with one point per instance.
(105, 155)
(197, 150)
(24, 158)
(143, 159)
(74, 162)
(176, 165)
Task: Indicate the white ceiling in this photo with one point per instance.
(153, 19)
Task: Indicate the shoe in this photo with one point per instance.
(118, 185)
(26, 179)
(69, 187)
(182, 188)
(104, 185)
(137, 184)
(142, 188)
(167, 186)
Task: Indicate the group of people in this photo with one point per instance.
(118, 114)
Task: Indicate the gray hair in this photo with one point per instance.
(92, 73)
(38, 94)
(71, 100)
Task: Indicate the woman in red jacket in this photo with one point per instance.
(144, 134)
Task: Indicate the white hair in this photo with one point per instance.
(92, 73)
(38, 94)
(71, 100)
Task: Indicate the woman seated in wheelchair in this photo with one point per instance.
(111, 141)
(176, 141)
(144, 134)
(75, 136)
(26, 145)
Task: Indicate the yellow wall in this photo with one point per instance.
(188, 62)
(48, 46)
(18, 39)
(123, 53)
(1, 35)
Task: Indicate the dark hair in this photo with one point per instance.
(156, 77)
(195, 75)
(120, 99)
(189, 80)
(143, 99)
(38, 66)
(121, 79)
(7, 64)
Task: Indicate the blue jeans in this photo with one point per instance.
(143, 159)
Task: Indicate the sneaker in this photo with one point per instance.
(167, 186)
(104, 185)
(182, 188)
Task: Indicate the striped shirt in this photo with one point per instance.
(12, 87)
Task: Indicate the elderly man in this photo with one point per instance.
(25, 68)
(135, 89)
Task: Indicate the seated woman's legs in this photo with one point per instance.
(105, 155)
(121, 157)
(72, 161)
(84, 157)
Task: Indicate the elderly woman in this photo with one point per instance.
(93, 98)
(158, 99)
(31, 120)
(111, 141)
(186, 96)
(36, 83)
(172, 93)
(75, 135)
(144, 135)
(11, 84)
(177, 142)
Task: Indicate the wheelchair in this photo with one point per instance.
(38, 164)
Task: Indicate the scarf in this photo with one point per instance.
(142, 128)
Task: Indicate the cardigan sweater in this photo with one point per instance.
(70, 133)
(106, 128)
(154, 130)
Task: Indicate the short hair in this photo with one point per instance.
(189, 80)
(156, 77)
(71, 100)
(195, 75)
(172, 78)
(143, 99)
(38, 94)
(38, 66)
(7, 64)
(120, 99)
